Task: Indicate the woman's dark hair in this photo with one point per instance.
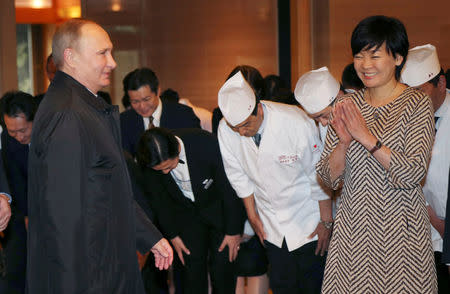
(16, 103)
(155, 146)
(254, 79)
(373, 31)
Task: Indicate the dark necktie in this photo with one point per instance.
(150, 122)
(436, 118)
(257, 139)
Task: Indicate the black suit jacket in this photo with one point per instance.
(216, 203)
(15, 159)
(173, 116)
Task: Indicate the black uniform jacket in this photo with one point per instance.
(83, 222)
(173, 116)
(216, 203)
(15, 159)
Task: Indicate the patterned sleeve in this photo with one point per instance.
(323, 167)
(409, 166)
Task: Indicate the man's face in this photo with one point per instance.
(19, 128)
(144, 101)
(92, 61)
(323, 116)
(167, 166)
(250, 126)
(436, 94)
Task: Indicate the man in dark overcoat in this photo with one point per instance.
(84, 227)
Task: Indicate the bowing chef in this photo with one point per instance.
(316, 92)
(423, 71)
(269, 152)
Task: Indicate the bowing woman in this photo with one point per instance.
(378, 148)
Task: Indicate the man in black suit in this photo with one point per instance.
(147, 109)
(195, 204)
(18, 110)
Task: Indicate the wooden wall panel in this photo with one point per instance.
(8, 59)
(301, 39)
(425, 21)
(193, 45)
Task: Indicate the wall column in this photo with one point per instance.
(8, 51)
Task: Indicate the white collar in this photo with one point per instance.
(157, 113)
(445, 105)
(263, 124)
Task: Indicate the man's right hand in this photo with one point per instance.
(258, 227)
(179, 247)
(163, 254)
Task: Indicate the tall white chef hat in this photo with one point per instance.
(236, 99)
(315, 90)
(422, 64)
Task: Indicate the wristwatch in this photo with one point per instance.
(376, 147)
(327, 225)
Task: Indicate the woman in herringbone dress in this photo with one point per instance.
(378, 147)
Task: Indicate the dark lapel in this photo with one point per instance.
(164, 119)
(137, 122)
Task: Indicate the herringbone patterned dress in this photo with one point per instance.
(381, 239)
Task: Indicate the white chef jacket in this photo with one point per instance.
(323, 134)
(436, 183)
(280, 173)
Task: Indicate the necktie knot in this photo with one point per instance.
(150, 122)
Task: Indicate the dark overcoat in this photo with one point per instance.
(84, 226)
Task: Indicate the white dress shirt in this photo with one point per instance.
(156, 116)
(181, 176)
(280, 173)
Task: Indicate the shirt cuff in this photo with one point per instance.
(7, 195)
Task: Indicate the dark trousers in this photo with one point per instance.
(443, 277)
(155, 281)
(14, 255)
(298, 271)
(203, 243)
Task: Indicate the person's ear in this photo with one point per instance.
(398, 59)
(442, 84)
(69, 57)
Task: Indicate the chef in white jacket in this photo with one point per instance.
(422, 70)
(269, 152)
(316, 92)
